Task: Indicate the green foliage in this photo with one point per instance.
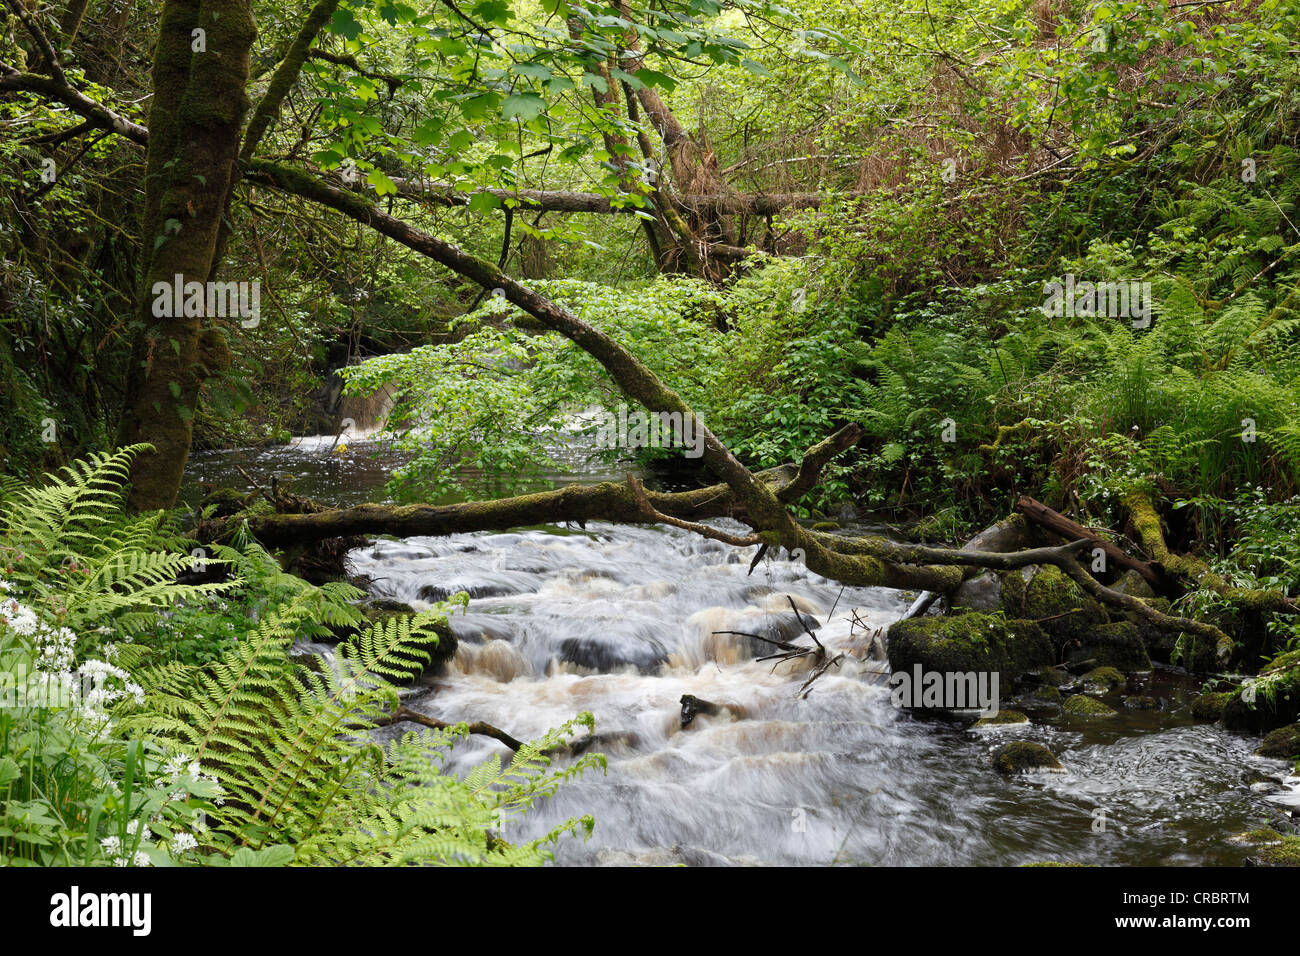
(113, 754)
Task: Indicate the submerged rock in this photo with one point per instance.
(1024, 756)
(1081, 705)
(1002, 719)
(645, 655)
(1141, 702)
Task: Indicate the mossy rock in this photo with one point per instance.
(826, 526)
(1081, 705)
(1284, 853)
(1281, 744)
(1209, 706)
(1046, 697)
(1141, 702)
(1024, 756)
(1116, 645)
(1257, 838)
(1050, 676)
(964, 643)
(1055, 602)
(1003, 718)
(1276, 697)
(1103, 680)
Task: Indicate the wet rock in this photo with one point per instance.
(1118, 645)
(980, 593)
(1002, 719)
(1082, 706)
(1209, 706)
(1141, 702)
(433, 593)
(1102, 680)
(1133, 584)
(1024, 756)
(692, 705)
(1272, 699)
(1042, 698)
(601, 655)
(1047, 676)
(969, 643)
(1281, 744)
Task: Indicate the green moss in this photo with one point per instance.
(1282, 744)
(1054, 602)
(969, 642)
(1209, 706)
(1257, 837)
(1024, 756)
(1082, 706)
(826, 526)
(1116, 645)
(1103, 680)
(1272, 699)
(1013, 592)
(1285, 853)
(1003, 718)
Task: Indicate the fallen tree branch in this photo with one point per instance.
(1146, 523)
(405, 713)
(1058, 523)
(649, 512)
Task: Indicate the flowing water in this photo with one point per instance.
(622, 621)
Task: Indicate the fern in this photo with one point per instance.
(289, 747)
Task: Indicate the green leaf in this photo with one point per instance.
(523, 106)
(383, 186)
(278, 855)
(483, 202)
(345, 24)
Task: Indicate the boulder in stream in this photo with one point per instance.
(1080, 705)
(1025, 756)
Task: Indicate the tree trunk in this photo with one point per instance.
(198, 107)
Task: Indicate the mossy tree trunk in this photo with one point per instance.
(200, 75)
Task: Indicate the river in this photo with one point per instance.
(620, 621)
